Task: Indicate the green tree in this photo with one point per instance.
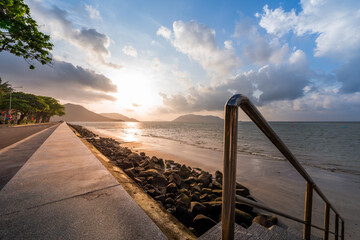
(19, 33)
(4, 88)
(55, 108)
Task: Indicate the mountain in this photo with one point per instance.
(118, 116)
(199, 118)
(77, 113)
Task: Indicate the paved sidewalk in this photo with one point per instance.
(64, 192)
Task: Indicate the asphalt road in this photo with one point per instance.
(11, 160)
(11, 135)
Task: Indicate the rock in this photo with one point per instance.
(184, 172)
(195, 197)
(204, 179)
(170, 195)
(171, 188)
(242, 217)
(191, 180)
(183, 215)
(218, 199)
(244, 207)
(195, 187)
(218, 177)
(142, 154)
(184, 191)
(169, 161)
(171, 210)
(125, 164)
(242, 192)
(160, 181)
(130, 172)
(206, 190)
(135, 157)
(160, 198)
(216, 185)
(197, 208)
(152, 192)
(149, 172)
(175, 178)
(183, 200)
(139, 179)
(265, 220)
(169, 201)
(217, 192)
(204, 198)
(202, 223)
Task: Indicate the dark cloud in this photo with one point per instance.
(274, 82)
(63, 80)
(349, 76)
(56, 22)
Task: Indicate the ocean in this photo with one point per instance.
(333, 146)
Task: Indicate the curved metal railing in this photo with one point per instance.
(229, 178)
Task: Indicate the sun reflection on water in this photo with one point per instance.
(131, 132)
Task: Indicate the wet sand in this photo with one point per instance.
(272, 182)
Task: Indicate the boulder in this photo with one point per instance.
(169, 201)
(174, 177)
(149, 172)
(160, 181)
(160, 198)
(243, 217)
(202, 223)
(125, 164)
(216, 185)
(265, 220)
(207, 190)
(183, 200)
(184, 172)
(130, 172)
(204, 179)
(197, 208)
(171, 188)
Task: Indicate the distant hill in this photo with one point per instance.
(199, 118)
(118, 116)
(77, 113)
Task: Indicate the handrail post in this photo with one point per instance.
(336, 227)
(342, 230)
(308, 210)
(229, 168)
(326, 221)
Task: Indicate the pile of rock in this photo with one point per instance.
(192, 195)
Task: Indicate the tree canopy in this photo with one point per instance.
(32, 107)
(4, 88)
(19, 33)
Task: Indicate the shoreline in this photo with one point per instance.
(192, 195)
(286, 189)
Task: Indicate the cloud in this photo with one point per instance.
(130, 51)
(63, 81)
(269, 83)
(334, 24)
(198, 42)
(349, 75)
(257, 48)
(93, 12)
(56, 22)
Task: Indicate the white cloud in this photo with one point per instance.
(198, 42)
(95, 44)
(130, 51)
(93, 12)
(259, 49)
(164, 32)
(335, 24)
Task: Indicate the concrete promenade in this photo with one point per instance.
(64, 192)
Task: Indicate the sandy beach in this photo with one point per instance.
(272, 182)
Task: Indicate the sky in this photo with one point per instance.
(156, 60)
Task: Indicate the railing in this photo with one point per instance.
(229, 178)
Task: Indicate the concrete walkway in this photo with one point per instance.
(64, 192)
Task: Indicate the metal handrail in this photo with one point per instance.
(229, 169)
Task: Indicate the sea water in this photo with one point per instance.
(333, 146)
